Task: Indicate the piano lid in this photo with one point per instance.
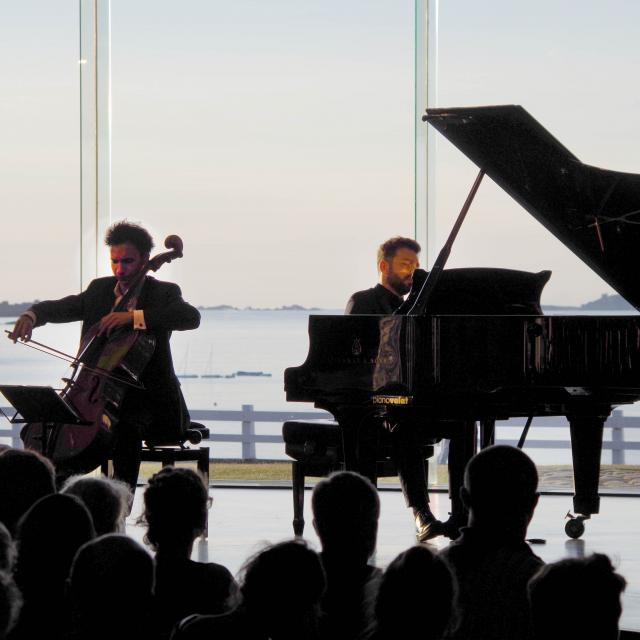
(595, 212)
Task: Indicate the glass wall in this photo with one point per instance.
(39, 174)
(277, 140)
(571, 66)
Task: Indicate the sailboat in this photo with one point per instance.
(208, 374)
(184, 374)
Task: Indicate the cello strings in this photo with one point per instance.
(74, 362)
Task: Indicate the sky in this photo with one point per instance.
(277, 137)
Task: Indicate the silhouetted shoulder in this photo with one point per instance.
(215, 584)
(375, 301)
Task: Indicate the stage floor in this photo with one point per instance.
(243, 519)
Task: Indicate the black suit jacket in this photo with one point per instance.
(376, 301)
(164, 311)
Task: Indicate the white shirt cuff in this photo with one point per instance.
(31, 315)
(138, 319)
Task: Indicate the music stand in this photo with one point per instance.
(40, 404)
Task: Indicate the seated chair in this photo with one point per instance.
(316, 449)
(170, 453)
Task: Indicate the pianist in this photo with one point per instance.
(397, 261)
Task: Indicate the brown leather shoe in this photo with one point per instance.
(427, 525)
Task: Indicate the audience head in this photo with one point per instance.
(577, 597)
(416, 586)
(500, 488)
(10, 603)
(281, 586)
(110, 584)
(48, 536)
(106, 498)
(7, 550)
(176, 503)
(25, 476)
(346, 508)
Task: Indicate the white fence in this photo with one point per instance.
(251, 420)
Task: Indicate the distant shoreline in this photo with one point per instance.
(289, 307)
(10, 309)
(605, 302)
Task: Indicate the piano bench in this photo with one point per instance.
(316, 449)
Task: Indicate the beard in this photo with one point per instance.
(401, 286)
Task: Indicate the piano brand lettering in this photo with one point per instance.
(392, 400)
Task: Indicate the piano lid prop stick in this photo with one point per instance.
(430, 283)
(525, 431)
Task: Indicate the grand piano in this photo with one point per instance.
(472, 344)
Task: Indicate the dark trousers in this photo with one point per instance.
(135, 421)
(413, 467)
(363, 439)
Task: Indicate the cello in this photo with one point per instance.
(105, 366)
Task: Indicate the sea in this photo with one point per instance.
(235, 358)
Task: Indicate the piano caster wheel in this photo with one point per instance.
(575, 525)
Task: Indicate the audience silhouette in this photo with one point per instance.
(176, 506)
(491, 560)
(8, 551)
(48, 536)
(346, 509)
(110, 590)
(577, 597)
(25, 476)
(415, 597)
(10, 596)
(486, 585)
(281, 587)
(106, 498)
(10, 603)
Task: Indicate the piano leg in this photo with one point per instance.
(487, 433)
(298, 499)
(586, 448)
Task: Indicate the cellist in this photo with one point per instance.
(160, 309)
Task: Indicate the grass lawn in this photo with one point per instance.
(611, 476)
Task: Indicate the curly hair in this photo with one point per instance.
(128, 232)
(176, 504)
(107, 499)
